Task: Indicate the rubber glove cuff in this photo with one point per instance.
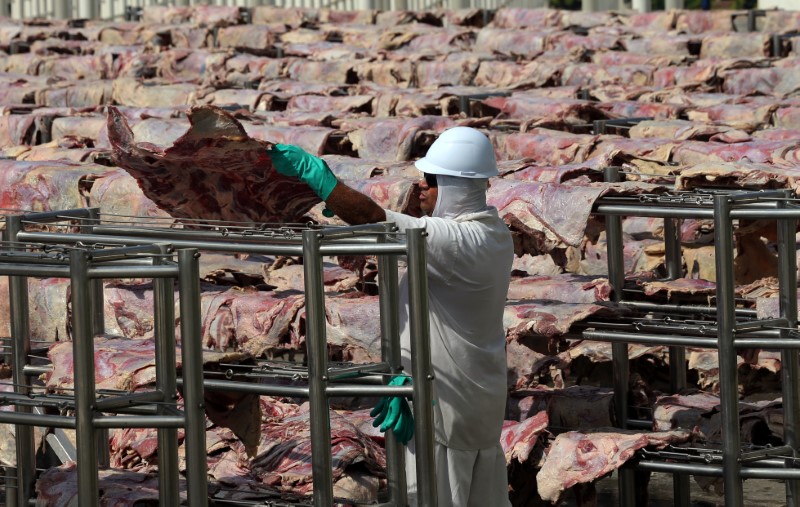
(290, 160)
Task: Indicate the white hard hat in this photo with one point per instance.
(460, 151)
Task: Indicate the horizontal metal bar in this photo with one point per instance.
(743, 327)
(57, 216)
(716, 470)
(226, 245)
(116, 402)
(637, 423)
(160, 271)
(765, 453)
(678, 308)
(765, 342)
(126, 251)
(675, 211)
(44, 271)
(139, 421)
(47, 421)
(302, 391)
(35, 371)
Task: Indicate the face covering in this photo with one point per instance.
(459, 196)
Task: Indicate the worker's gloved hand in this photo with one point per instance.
(393, 412)
(293, 161)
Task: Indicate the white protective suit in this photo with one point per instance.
(469, 264)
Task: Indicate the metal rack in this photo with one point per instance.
(323, 379)
(86, 267)
(727, 329)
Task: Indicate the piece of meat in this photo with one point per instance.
(58, 487)
(575, 457)
(544, 147)
(546, 317)
(566, 288)
(284, 456)
(519, 439)
(214, 171)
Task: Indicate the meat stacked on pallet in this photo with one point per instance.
(615, 133)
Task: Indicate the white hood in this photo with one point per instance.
(459, 196)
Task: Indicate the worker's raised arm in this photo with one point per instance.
(350, 205)
(354, 207)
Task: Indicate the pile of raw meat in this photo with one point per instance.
(90, 110)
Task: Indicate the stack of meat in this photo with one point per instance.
(369, 91)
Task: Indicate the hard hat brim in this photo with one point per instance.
(426, 166)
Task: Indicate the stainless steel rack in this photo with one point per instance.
(723, 327)
(86, 267)
(320, 378)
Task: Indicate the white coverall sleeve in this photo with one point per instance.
(442, 245)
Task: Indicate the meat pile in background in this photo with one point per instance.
(92, 111)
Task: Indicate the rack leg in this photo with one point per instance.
(619, 351)
(166, 382)
(390, 350)
(192, 371)
(83, 347)
(787, 272)
(728, 377)
(421, 366)
(317, 371)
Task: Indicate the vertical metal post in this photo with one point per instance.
(672, 248)
(62, 9)
(88, 9)
(677, 355)
(672, 5)
(589, 5)
(619, 351)
(96, 298)
(790, 369)
(728, 379)
(5, 8)
(317, 350)
(83, 353)
(751, 20)
(192, 373)
(21, 349)
(390, 352)
(422, 372)
(166, 382)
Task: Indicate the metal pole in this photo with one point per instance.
(390, 352)
(21, 349)
(790, 370)
(164, 316)
(726, 322)
(677, 355)
(317, 370)
(192, 372)
(62, 9)
(619, 351)
(672, 5)
(672, 248)
(589, 5)
(83, 353)
(96, 298)
(422, 372)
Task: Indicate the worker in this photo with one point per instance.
(469, 253)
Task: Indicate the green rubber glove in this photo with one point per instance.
(393, 413)
(293, 161)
